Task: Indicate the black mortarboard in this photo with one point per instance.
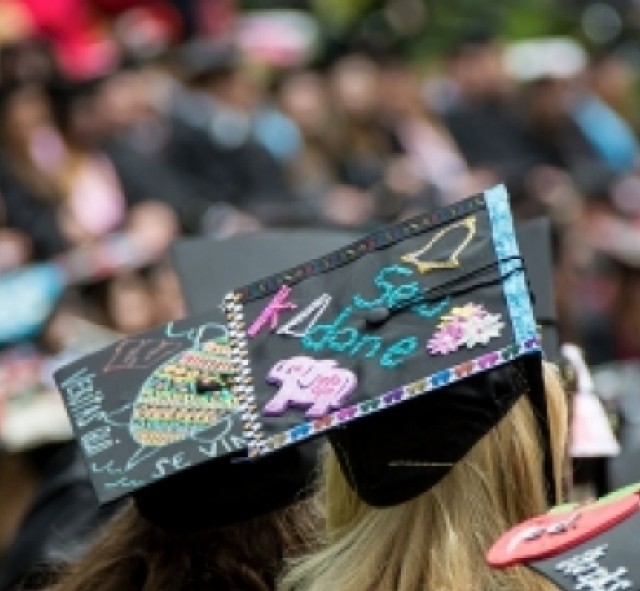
(534, 239)
(152, 410)
(406, 346)
(193, 259)
(590, 547)
(243, 258)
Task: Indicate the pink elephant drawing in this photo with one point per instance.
(306, 382)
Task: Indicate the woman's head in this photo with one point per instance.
(438, 539)
(23, 111)
(222, 525)
(396, 454)
(134, 554)
(77, 112)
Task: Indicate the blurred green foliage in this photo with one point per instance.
(449, 20)
(512, 18)
(432, 26)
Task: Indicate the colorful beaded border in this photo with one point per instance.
(380, 239)
(425, 385)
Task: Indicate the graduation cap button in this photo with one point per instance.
(377, 316)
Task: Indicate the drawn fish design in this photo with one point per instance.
(187, 394)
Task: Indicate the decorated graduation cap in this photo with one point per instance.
(406, 347)
(155, 415)
(591, 547)
(152, 404)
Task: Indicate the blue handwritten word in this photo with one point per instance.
(347, 339)
(110, 468)
(231, 444)
(196, 333)
(170, 464)
(85, 404)
(125, 482)
(96, 441)
(392, 294)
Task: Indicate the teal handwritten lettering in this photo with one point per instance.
(124, 482)
(399, 351)
(374, 343)
(326, 336)
(170, 464)
(338, 337)
(392, 294)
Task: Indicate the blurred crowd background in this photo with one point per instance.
(126, 124)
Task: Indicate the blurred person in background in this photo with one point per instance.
(554, 136)
(365, 144)
(49, 507)
(93, 201)
(480, 113)
(304, 98)
(211, 141)
(135, 137)
(610, 136)
(613, 79)
(432, 156)
(608, 313)
(30, 153)
(315, 173)
(360, 145)
(26, 59)
(568, 125)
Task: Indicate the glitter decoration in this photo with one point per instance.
(271, 314)
(469, 325)
(187, 394)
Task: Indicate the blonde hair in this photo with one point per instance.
(438, 540)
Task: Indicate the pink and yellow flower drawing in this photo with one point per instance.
(469, 325)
